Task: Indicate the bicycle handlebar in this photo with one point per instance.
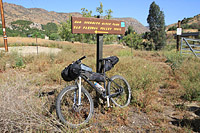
(82, 58)
(79, 60)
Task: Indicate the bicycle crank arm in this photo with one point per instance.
(108, 101)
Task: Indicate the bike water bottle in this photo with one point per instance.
(99, 86)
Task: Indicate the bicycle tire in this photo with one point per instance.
(65, 108)
(124, 98)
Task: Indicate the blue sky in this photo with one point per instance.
(138, 9)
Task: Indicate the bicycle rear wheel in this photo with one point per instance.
(116, 84)
(68, 110)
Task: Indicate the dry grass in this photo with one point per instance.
(157, 86)
(25, 40)
(21, 109)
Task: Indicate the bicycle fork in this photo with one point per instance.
(79, 92)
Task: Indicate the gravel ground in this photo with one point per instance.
(25, 50)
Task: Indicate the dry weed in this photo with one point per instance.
(20, 108)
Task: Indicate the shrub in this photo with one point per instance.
(54, 36)
(143, 78)
(148, 45)
(189, 73)
(174, 59)
(19, 62)
(133, 40)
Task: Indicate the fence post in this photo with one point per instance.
(178, 37)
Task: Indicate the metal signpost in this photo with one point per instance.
(97, 26)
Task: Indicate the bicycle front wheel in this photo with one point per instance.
(68, 110)
(119, 84)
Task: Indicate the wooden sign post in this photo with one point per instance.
(97, 26)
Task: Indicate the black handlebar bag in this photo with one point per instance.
(71, 72)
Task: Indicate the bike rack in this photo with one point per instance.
(187, 48)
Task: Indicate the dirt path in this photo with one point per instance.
(26, 50)
(176, 113)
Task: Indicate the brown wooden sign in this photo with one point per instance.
(97, 26)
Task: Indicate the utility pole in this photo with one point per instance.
(3, 26)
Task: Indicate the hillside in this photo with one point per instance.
(187, 23)
(16, 12)
(137, 26)
(37, 15)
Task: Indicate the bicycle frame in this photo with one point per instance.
(93, 86)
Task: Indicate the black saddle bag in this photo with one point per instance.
(109, 62)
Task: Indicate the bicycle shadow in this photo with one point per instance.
(194, 123)
(50, 100)
(195, 110)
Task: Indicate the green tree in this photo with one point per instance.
(156, 22)
(129, 30)
(38, 34)
(86, 12)
(64, 30)
(50, 28)
(54, 36)
(100, 9)
(133, 40)
(109, 12)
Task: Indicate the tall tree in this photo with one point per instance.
(86, 12)
(64, 30)
(100, 9)
(109, 12)
(156, 22)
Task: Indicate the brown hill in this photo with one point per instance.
(188, 21)
(137, 26)
(16, 12)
